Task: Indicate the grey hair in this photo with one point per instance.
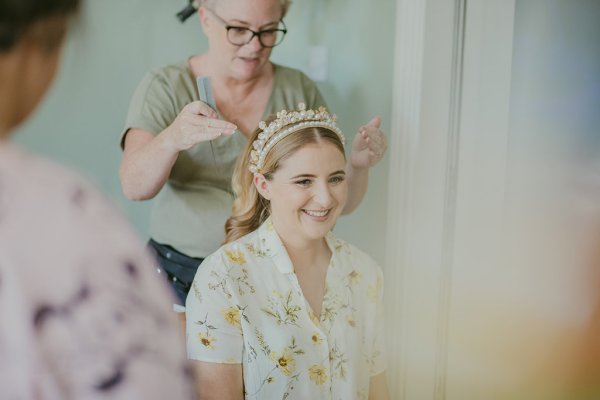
(285, 5)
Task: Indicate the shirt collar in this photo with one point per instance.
(273, 246)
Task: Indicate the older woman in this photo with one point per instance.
(183, 152)
(285, 310)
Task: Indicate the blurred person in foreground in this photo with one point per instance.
(81, 316)
(285, 310)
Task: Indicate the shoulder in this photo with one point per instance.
(287, 76)
(170, 71)
(167, 77)
(291, 87)
(289, 72)
(352, 257)
(227, 272)
(27, 180)
(57, 228)
(47, 207)
(235, 255)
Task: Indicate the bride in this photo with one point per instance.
(285, 309)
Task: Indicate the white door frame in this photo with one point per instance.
(449, 134)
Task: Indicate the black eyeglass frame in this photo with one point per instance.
(254, 33)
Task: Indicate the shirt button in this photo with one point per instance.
(174, 279)
(168, 254)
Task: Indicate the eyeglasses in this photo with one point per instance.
(240, 35)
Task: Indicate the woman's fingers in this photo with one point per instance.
(200, 108)
(200, 121)
(209, 134)
(218, 124)
(370, 143)
(196, 123)
(375, 138)
(208, 126)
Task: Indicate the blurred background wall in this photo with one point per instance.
(116, 42)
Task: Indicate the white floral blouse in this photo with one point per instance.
(246, 307)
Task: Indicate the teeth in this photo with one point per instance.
(316, 213)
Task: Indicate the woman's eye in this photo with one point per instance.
(337, 179)
(303, 182)
(238, 30)
(268, 33)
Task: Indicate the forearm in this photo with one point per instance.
(358, 181)
(146, 166)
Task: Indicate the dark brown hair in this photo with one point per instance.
(19, 18)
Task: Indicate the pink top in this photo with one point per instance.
(82, 312)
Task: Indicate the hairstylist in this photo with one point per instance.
(182, 152)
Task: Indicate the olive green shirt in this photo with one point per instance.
(190, 211)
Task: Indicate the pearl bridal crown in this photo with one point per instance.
(288, 122)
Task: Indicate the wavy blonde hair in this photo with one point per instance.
(285, 5)
(250, 209)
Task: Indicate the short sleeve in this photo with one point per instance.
(377, 359)
(152, 107)
(214, 332)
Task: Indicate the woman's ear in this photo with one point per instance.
(202, 16)
(262, 185)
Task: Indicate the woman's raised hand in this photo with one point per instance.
(196, 123)
(369, 145)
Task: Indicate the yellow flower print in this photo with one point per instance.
(318, 374)
(207, 340)
(197, 291)
(283, 308)
(254, 251)
(270, 379)
(316, 338)
(236, 256)
(338, 244)
(354, 277)
(285, 362)
(231, 315)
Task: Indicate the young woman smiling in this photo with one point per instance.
(285, 309)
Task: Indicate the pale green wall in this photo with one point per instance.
(115, 42)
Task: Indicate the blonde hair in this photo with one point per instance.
(285, 5)
(250, 209)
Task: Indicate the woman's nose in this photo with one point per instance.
(255, 43)
(322, 195)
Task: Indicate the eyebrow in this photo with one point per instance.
(339, 172)
(239, 21)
